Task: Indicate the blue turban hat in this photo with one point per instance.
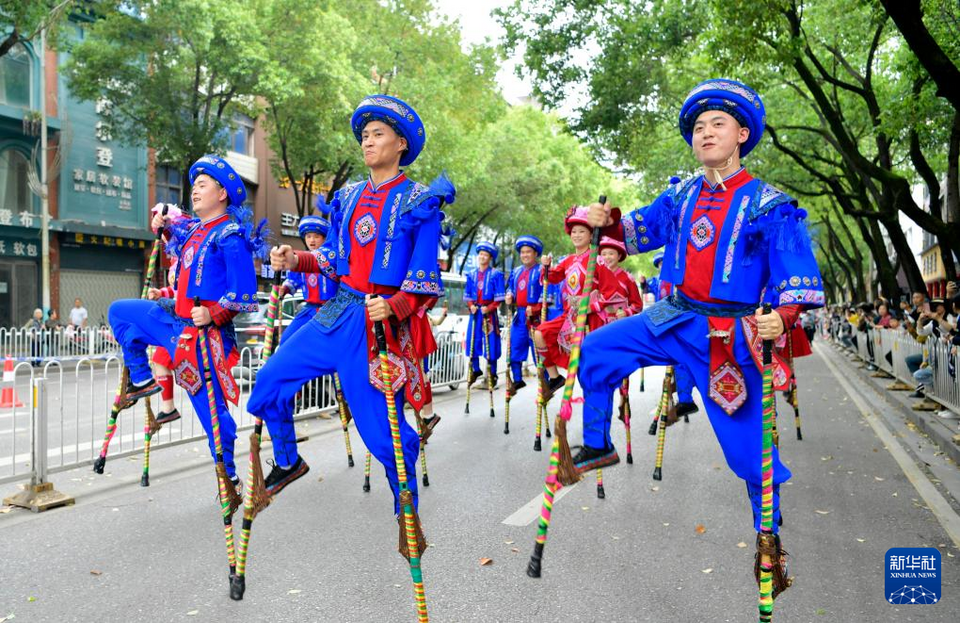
(398, 115)
(220, 170)
(489, 248)
(732, 97)
(315, 224)
(530, 241)
(657, 260)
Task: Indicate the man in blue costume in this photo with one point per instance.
(524, 289)
(215, 254)
(383, 241)
(317, 288)
(684, 380)
(726, 236)
(483, 292)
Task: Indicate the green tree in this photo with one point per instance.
(174, 71)
(22, 20)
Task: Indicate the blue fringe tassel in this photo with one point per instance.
(442, 187)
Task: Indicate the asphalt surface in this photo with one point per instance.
(676, 550)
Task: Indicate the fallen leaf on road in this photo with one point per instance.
(294, 591)
(514, 550)
(654, 488)
(700, 528)
(31, 599)
(879, 479)
(193, 613)
(708, 571)
(894, 494)
(509, 542)
(741, 544)
(584, 508)
(820, 512)
(825, 458)
(9, 617)
(396, 586)
(5, 510)
(667, 523)
(95, 572)
(486, 561)
(861, 540)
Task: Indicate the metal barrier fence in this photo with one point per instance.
(60, 343)
(78, 396)
(888, 350)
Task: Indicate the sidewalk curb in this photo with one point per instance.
(930, 425)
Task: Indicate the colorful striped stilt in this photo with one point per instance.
(625, 410)
(101, 460)
(344, 420)
(662, 409)
(473, 339)
(561, 468)
(541, 371)
(487, 336)
(765, 602)
(229, 500)
(509, 375)
(794, 398)
(366, 473)
(150, 426)
(256, 498)
(411, 524)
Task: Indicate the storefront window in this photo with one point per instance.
(169, 187)
(242, 142)
(15, 78)
(14, 189)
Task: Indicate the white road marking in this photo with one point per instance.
(944, 513)
(529, 512)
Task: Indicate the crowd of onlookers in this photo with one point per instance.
(922, 318)
(48, 334)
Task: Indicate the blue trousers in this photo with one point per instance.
(475, 342)
(520, 343)
(315, 350)
(613, 352)
(684, 383)
(137, 324)
(304, 316)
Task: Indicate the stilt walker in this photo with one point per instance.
(483, 293)
(726, 236)
(525, 298)
(382, 248)
(561, 471)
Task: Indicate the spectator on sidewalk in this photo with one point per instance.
(54, 332)
(78, 314)
(35, 328)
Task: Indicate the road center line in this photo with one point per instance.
(530, 511)
(944, 513)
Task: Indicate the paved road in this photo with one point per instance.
(325, 551)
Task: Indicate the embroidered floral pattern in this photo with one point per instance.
(365, 229)
(683, 218)
(809, 297)
(702, 233)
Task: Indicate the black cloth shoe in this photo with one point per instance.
(132, 393)
(171, 416)
(686, 408)
(280, 478)
(591, 458)
(518, 385)
(474, 375)
(551, 387)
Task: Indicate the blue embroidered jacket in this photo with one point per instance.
(317, 288)
(534, 287)
(763, 240)
(406, 238)
(222, 268)
(493, 290)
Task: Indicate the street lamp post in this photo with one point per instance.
(44, 194)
